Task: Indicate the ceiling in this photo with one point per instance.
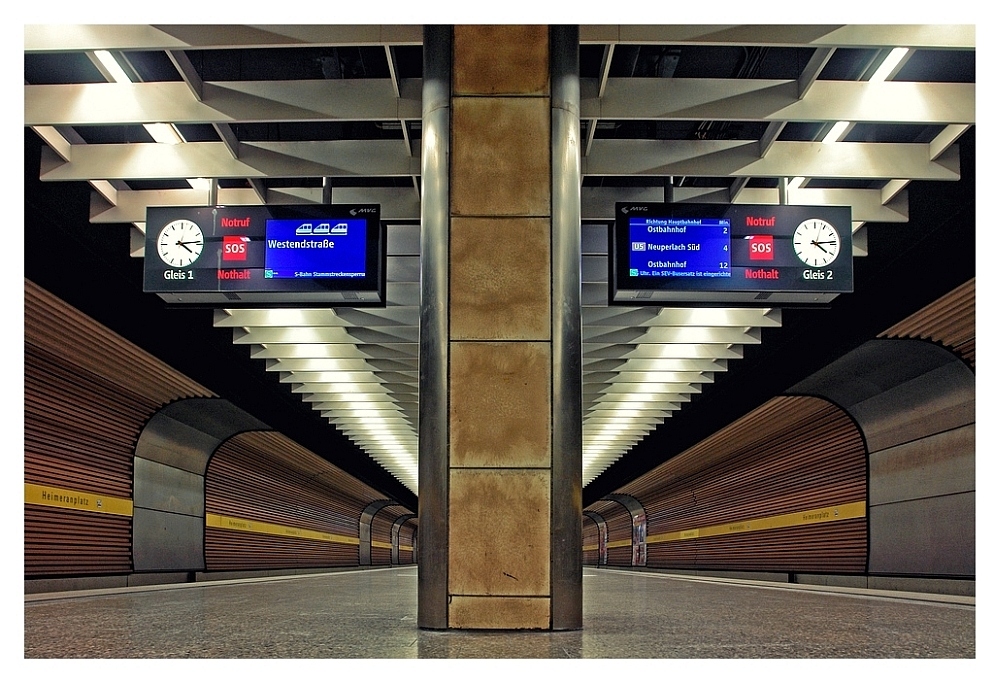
(301, 114)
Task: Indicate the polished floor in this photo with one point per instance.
(371, 614)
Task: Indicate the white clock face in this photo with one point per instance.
(180, 243)
(816, 242)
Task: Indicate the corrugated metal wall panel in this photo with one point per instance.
(834, 547)
(87, 395)
(951, 321)
(63, 542)
(619, 523)
(407, 540)
(233, 550)
(591, 540)
(265, 477)
(793, 454)
(382, 532)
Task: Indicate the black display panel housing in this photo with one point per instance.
(729, 254)
(296, 255)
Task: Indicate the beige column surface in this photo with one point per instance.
(500, 368)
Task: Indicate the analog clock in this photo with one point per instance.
(816, 242)
(180, 243)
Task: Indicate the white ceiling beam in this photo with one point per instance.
(773, 100)
(389, 317)
(944, 140)
(376, 100)
(712, 158)
(703, 365)
(257, 160)
(722, 158)
(400, 204)
(675, 317)
(220, 102)
(131, 205)
(384, 351)
(813, 68)
(670, 335)
(706, 351)
(931, 36)
(599, 408)
(321, 335)
(79, 37)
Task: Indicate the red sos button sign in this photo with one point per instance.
(762, 248)
(234, 248)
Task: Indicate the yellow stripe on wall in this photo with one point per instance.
(834, 513)
(37, 494)
(237, 524)
(382, 544)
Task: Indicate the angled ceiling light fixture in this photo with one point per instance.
(834, 135)
(115, 70)
(884, 70)
(889, 64)
(164, 133)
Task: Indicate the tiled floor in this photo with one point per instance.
(372, 614)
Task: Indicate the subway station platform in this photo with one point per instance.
(371, 614)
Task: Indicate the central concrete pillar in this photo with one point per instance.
(500, 389)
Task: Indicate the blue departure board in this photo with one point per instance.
(308, 254)
(680, 247)
(294, 248)
(729, 253)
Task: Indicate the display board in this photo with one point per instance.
(287, 254)
(729, 253)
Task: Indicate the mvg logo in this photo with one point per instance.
(355, 212)
(626, 209)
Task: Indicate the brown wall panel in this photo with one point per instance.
(950, 321)
(265, 477)
(62, 542)
(793, 454)
(87, 395)
(591, 540)
(619, 523)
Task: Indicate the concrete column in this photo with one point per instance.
(505, 500)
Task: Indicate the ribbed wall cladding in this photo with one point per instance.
(87, 395)
(382, 533)
(822, 548)
(264, 477)
(791, 455)
(591, 541)
(77, 542)
(407, 542)
(950, 321)
(619, 523)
